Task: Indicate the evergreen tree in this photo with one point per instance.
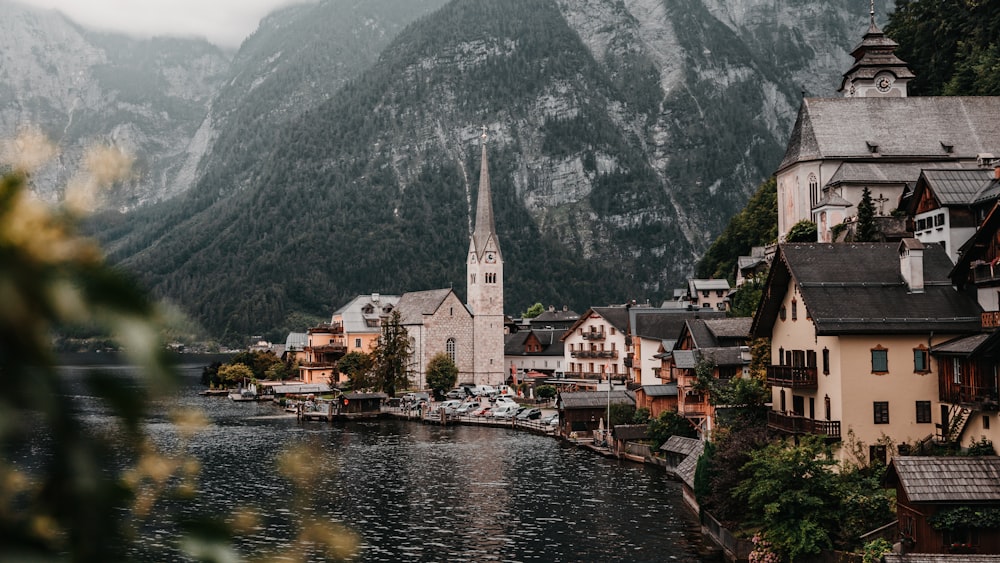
(866, 229)
(357, 366)
(391, 356)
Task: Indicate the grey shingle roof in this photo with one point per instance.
(834, 128)
(735, 327)
(684, 359)
(682, 445)
(666, 323)
(664, 390)
(883, 172)
(593, 399)
(964, 345)
(947, 479)
(414, 305)
(296, 341)
(552, 345)
(700, 335)
(858, 289)
(556, 316)
(729, 356)
(957, 186)
(630, 431)
(354, 317)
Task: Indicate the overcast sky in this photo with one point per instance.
(223, 22)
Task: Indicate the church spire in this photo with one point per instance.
(485, 225)
(877, 71)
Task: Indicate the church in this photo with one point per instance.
(875, 136)
(471, 333)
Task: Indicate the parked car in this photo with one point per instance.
(505, 411)
(467, 408)
(551, 420)
(530, 414)
(457, 393)
(482, 411)
(448, 407)
(504, 400)
(416, 398)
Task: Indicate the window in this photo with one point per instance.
(881, 409)
(956, 368)
(813, 190)
(472, 278)
(878, 454)
(921, 360)
(923, 412)
(826, 407)
(704, 293)
(357, 342)
(939, 220)
(795, 310)
(449, 348)
(826, 361)
(880, 360)
(781, 313)
(781, 356)
(986, 422)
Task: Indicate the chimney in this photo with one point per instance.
(911, 264)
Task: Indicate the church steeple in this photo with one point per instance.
(877, 71)
(485, 228)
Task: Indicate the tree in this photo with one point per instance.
(533, 311)
(755, 225)
(791, 492)
(866, 229)
(668, 424)
(803, 231)
(621, 413)
(747, 298)
(442, 374)
(545, 392)
(391, 356)
(357, 366)
(236, 373)
(280, 371)
(259, 361)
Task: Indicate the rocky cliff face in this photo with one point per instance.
(83, 88)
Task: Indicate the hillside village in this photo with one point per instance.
(888, 343)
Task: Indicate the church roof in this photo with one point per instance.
(871, 173)
(485, 224)
(414, 305)
(943, 128)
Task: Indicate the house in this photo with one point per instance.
(654, 331)
(851, 329)
(325, 345)
(595, 345)
(360, 404)
(753, 266)
(948, 205)
(362, 319)
(535, 349)
(947, 504)
(681, 456)
(295, 347)
(656, 398)
(712, 295)
(626, 438)
(876, 137)
(582, 412)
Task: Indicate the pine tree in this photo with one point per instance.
(392, 356)
(867, 230)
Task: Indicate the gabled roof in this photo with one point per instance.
(663, 390)
(356, 320)
(555, 317)
(616, 316)
(708, 285)
(986, 344)
(857, 288)
(951, 480)
(666, 324)
(725, 356)
(296, 341)
(414, 305)
(550, 339)
(593, 399)
(730, 328)
(911, 127)
(685, 359)
(957, 186)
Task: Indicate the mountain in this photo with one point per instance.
(623, 135)
(81, 88)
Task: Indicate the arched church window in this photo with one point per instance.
(813, 190)
(449, 348)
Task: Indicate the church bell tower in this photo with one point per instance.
(877, 72)
(485, 285)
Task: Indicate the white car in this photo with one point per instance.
(505, 411)
(448, 406)
(504, 400)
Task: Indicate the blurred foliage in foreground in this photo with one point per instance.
(92, 490)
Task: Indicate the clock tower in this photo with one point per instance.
(484, 265)
(877, 71)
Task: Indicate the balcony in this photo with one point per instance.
(593, 335)
(796, 424)
(973, 397)
(612, 354)
(794, 377)
(990, 320)
(985, 272)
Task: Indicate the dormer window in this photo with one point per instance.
(872, 147)
(368, 309)
(947, 146)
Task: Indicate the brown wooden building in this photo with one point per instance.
(583, 411)
(657, 398)
(947, 504)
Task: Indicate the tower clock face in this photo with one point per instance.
(490, 258)
(883, 83)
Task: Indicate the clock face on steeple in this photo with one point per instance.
(883, 83)
(491, 257)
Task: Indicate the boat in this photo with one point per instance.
(248, 393)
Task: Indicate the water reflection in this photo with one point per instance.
(417, 492)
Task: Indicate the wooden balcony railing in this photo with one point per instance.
(972, 396)
(593, 335)
(594, 354)
(796, 424)
(794, 377)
